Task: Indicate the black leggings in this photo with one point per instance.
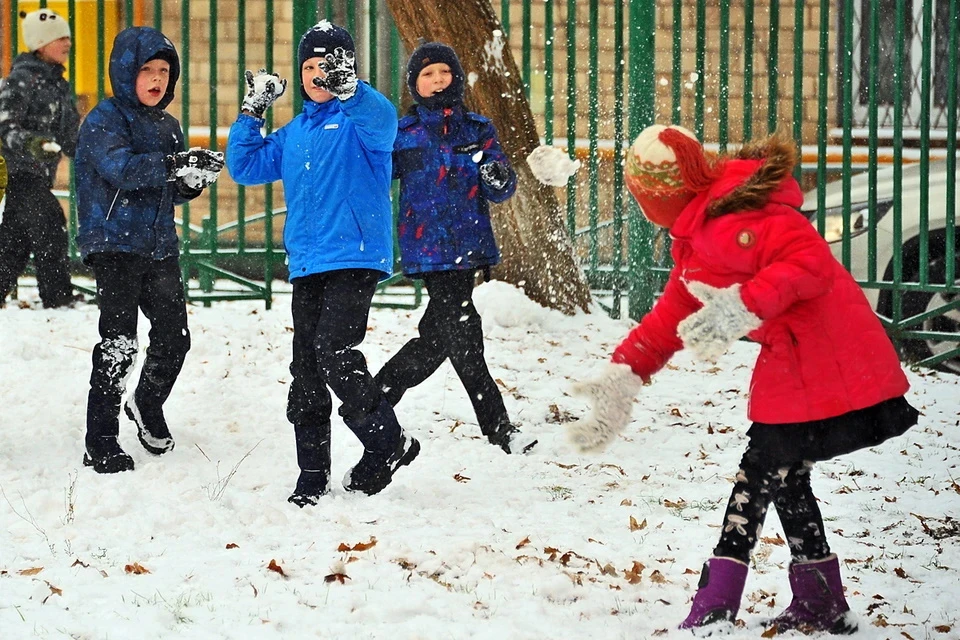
(788, 488)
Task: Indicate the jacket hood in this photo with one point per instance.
(31, 63)
(132, 48)
(760, 172)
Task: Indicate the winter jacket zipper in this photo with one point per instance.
(116, 195)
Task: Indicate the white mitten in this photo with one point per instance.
(552, 166)
(611, 398)
(723, 320)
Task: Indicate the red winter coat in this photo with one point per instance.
(823, 351)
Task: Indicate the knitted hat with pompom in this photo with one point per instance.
(666, 168)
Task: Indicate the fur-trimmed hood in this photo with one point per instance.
(749, 178)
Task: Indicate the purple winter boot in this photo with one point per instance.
(818, 603)
(718, 593)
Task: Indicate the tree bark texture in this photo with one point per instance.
(537, 254)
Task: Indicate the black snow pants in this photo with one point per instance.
(330, 312)
(451, 328)
(128, 283)
(33, 222)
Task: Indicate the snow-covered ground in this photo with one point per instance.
(467, 542)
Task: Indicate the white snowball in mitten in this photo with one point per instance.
(552, 166)
(611, 398)
(723, 320)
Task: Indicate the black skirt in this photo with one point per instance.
(789, 443)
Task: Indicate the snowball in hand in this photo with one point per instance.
(52, 147)
(551, 166)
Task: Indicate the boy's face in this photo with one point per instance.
(152, 81)
(313, 68)
(434, 78)
(56, 52)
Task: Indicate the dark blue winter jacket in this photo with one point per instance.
(444, 216)
(124, 202)
(334, 160)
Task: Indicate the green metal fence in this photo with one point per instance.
(867, 86)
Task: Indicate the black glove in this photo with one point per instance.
(495, 174)
(197, 168)
(263, 89)
(43, 149)
(341, 78)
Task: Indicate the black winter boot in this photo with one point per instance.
(509, 438)
(152, 428)
(313, 457)
(386, 448)
(105, 456)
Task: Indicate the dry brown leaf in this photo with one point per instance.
(608, 570)
(637, 526)
(680, 504)
(776, 541)
(353, 559)
(30, 572)
(232, 545)
(255, 592)
(770, 632)
(523, 542)
(273, 566)
(676, 413)
(136, 569)
(626, 502)
(461, 478)
(633, 574)
(658, 577)
(901, 573)
(336, 577)
(360, 546)
(943, 628)
(78, 562)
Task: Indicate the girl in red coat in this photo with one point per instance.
(827, 380)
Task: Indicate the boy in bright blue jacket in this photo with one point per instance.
(450, 165)
(335, 162)
(131, 170)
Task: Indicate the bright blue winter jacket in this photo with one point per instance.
(124, 202)
(335, 162)
(444, 220)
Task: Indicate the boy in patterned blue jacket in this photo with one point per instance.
(132, 169)
(334, 160)
(450, 165)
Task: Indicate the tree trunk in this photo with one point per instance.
(537, 254)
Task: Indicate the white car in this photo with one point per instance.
(913, 302)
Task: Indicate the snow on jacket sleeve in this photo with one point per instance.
(14, 103)
(493, 152)
(374, 117)
(793, 263)
(251, 158)
(115, 160)
(650, 344)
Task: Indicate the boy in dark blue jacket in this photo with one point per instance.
(334, 160)
(131, 170)
(450, 165)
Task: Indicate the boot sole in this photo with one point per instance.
(157, 451)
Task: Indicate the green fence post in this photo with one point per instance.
(304, 17)
(642, 91)
(618, 163)
(571, 112)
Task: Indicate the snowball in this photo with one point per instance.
(551, 166)
(52, 147)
